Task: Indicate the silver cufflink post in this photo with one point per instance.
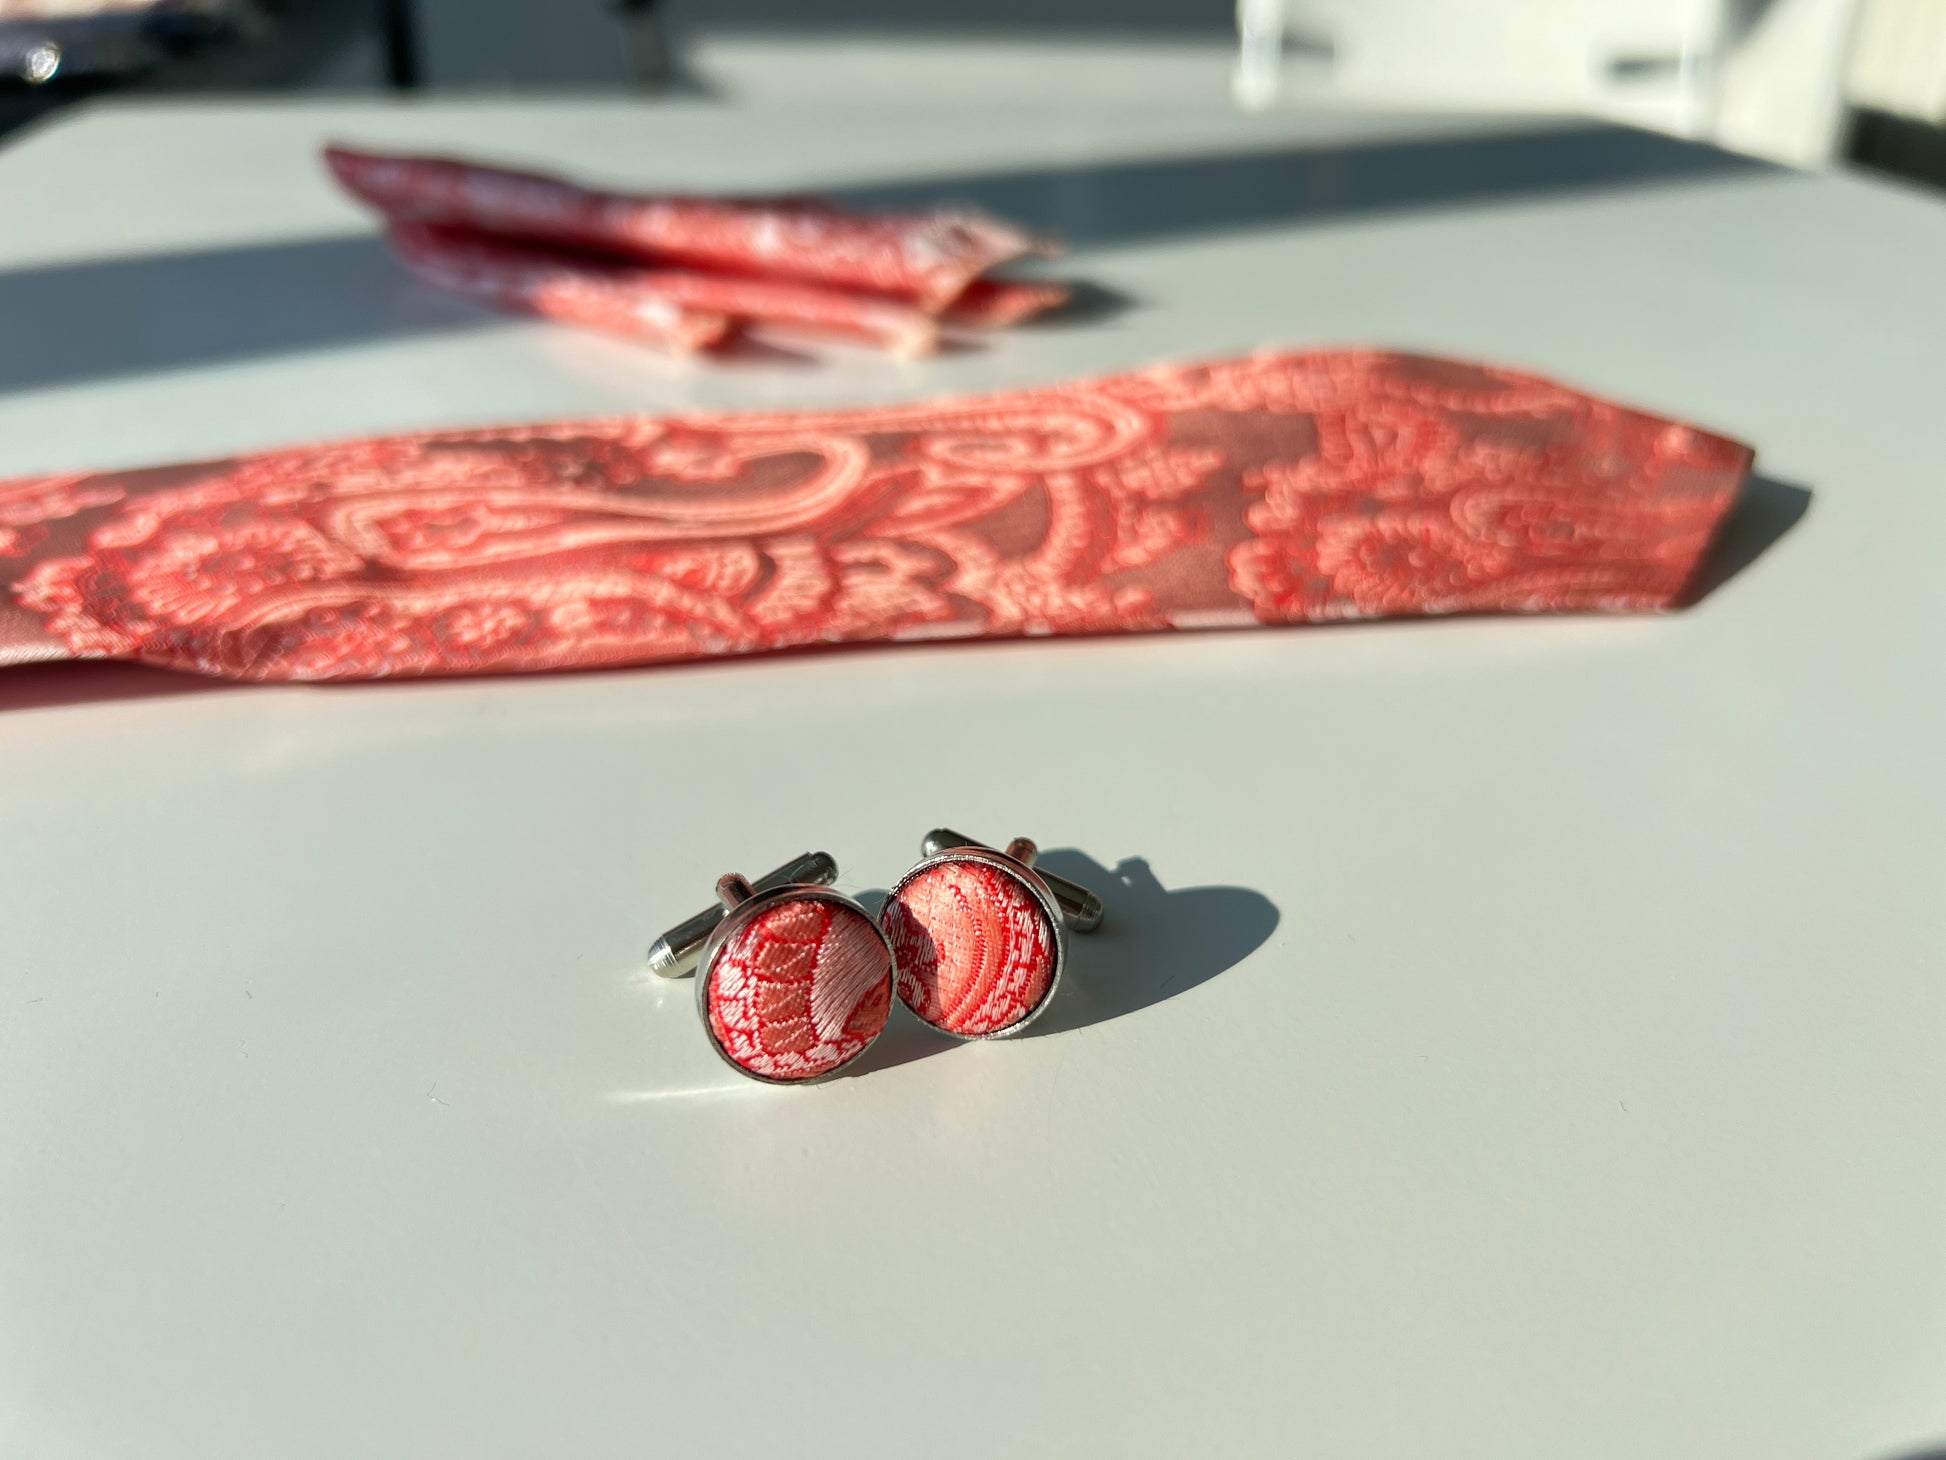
(674, 954)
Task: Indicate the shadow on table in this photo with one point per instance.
(167, 311)
(85, 682)
(1765, 510)
(1154, 944)
(104, 318)
(1140, 200)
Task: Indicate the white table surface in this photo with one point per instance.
(1515, 1037)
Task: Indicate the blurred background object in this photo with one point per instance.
(42, 41)
(1897, 80)
(1757, 76)
(1802, 82)
(1898, 61)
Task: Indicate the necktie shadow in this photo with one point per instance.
(1154, 944)
(90, 681)
(1765, 510)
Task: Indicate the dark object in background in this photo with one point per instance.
(1900, 146)
(645, 40)
(115, 43)
(1018, 19)
(401, 40)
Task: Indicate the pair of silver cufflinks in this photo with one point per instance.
(794, 980)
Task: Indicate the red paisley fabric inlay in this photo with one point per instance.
(973, 948)
(1276, 489)
(801, 991)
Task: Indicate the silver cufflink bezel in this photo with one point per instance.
(692, 947)
(1063, 903)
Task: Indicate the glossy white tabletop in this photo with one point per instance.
(1511, 1038)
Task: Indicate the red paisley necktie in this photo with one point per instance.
(1277, 489)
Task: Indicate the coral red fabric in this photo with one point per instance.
(973, 950)
(1275, 489)
(604, 297)
(996, 304)
(928, 258)
(801, 992)
(672, 307)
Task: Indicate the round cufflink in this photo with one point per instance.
(793, 980)
(979, 937)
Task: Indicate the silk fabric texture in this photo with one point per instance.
(691, 273)
(1280, 488)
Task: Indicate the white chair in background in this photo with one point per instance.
(1899, 62)
(1763, 76)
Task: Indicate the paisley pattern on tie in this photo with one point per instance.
(974, 949)
(800, 991)
(1275, 489)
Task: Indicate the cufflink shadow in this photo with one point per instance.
(1154, 943)
(905, 1039)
